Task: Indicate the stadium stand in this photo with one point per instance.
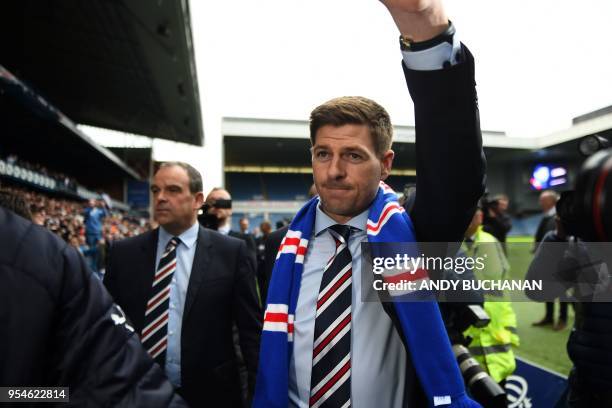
(65, 217)
(245, 186)
(287, 186)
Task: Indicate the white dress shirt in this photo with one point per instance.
(185, 252)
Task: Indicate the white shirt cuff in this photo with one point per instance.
(433, 58)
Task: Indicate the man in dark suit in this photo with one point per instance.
(351, 140)
(548, 200)
(183, 287)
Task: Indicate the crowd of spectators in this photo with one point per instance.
(68, 183)
(68, 218)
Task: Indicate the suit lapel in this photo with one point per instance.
(145, 268)
(201, 261)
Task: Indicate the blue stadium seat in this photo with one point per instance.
(244, 186)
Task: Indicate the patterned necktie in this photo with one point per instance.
(330, 381)
(155, 333)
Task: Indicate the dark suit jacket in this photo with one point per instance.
(265, 268)
(547, 223)
(249, 239)
(450, 167)
(60, 327)
(221, 291)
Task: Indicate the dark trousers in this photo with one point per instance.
(92, 242)
(578, 395)
(550, 311)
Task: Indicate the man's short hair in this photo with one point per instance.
(194, 176)
(550, 193)
(16, 203)
(355, 110)
(219, 189)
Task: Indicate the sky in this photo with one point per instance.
(539, 63)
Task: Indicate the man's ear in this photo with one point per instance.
(199, 199)
(386, 163)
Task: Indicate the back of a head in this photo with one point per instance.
(16, 203)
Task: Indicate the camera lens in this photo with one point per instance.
(480, 384)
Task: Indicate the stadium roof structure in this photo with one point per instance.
(35, 130)
(123, 65)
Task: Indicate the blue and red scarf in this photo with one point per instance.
(421, 322)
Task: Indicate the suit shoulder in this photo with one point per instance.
(276, 237)
(135, 241)
(21, 239)
(220, 239)
(279, 234)
(38, 254)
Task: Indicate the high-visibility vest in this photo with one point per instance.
(492, 345)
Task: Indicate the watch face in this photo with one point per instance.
(405, 43)
(408, 44)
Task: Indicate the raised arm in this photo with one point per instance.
(419, 20)
(450, 161)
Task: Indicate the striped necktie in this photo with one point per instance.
(330, 381)
(155, 333)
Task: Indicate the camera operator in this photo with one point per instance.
(465, 319)
(496, 220)
(218, 215)
(575, 257)
(492, 345)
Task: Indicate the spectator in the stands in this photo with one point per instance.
(496, 220)
(94, 216)
(64, 217)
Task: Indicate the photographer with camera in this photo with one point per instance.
(218, 216)
(496, 220)
(492, 345)
(466, 321)
(575, 257)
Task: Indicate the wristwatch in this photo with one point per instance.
(406, 44)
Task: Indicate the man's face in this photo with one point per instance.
(346, 169)
(265, 228)
(244, 224)
(175, 207)
(222, 214)
(547, 202)
(39, 218)
(502, 205)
